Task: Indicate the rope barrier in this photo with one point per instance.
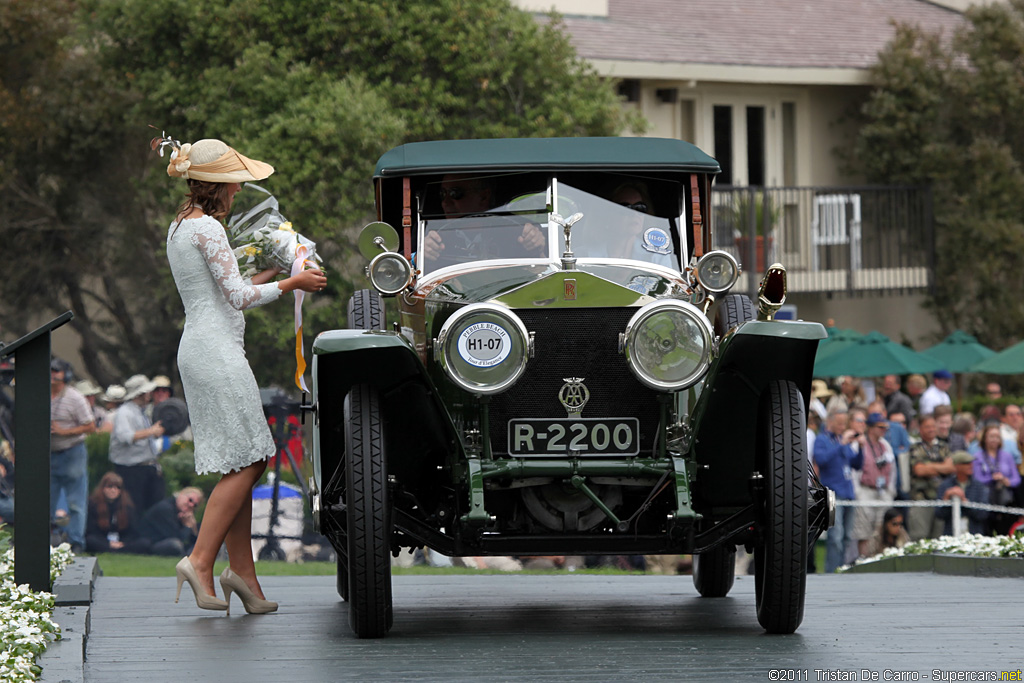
(955, 502)
(929, 504)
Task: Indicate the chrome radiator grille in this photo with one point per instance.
(575, 343)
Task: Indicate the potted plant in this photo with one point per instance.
(758, 207)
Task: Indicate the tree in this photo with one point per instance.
(318, 88)
(945, 112)
(66, 201)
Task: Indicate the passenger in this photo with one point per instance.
(637, 239)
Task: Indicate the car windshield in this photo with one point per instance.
(461, 222)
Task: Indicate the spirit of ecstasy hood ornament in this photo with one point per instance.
(568, 260)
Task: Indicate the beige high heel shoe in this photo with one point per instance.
(230, 581)
(186, 572)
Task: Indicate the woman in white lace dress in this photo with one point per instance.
(229, 427)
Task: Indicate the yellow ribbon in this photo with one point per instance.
(301, 252)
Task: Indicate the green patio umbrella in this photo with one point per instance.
(960, 352)
(873, 355)
(838, 340)
(1009, 361)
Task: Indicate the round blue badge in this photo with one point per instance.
(657, 241)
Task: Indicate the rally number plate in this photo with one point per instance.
(574, 436)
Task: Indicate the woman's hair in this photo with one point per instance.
(125, 506)
(212, 198)
(984, 435)
(890, 514)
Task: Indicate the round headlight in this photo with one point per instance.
(483, 348)
(668, 345)
(390, 273)
(717, 271)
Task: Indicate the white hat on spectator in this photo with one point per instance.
(86, 388)
(136, 385)
(115, 393)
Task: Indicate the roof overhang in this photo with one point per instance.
(731, 73)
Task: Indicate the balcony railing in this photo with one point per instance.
(831, 239)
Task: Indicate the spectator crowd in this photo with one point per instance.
(129, 510)
(902, 441)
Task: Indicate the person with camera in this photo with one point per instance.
(877, 480)
(836, 460)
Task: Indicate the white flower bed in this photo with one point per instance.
(25, 625)
(975, 545)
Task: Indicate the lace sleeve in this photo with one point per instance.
(213, 245)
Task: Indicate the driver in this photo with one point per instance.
(465, 195)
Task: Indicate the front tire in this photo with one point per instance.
(780, 556)
(366, 311)
(714, 571)
(368, 515)
(734, 310)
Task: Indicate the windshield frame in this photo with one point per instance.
(555, 194)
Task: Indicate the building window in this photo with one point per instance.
(755, 146)
(723, 142)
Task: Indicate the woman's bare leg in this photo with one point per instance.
(227, 499)
(239, 545)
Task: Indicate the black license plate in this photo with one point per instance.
(579, 436)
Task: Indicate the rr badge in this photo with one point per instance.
(574, 395)
(570, 289)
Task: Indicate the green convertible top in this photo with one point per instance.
(544, 154)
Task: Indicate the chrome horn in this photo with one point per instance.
(771, 294)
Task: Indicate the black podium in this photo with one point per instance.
(32, 450)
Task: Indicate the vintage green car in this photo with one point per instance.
(566, 374)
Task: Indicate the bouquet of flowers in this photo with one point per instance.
(263, 238)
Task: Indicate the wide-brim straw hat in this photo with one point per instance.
(819, 389)
(213, 161)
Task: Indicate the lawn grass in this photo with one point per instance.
(117, 564)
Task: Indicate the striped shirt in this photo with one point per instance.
(68, 409)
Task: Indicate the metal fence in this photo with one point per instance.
(831, 239)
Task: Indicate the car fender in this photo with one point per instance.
(420, 431)
(725, 416)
